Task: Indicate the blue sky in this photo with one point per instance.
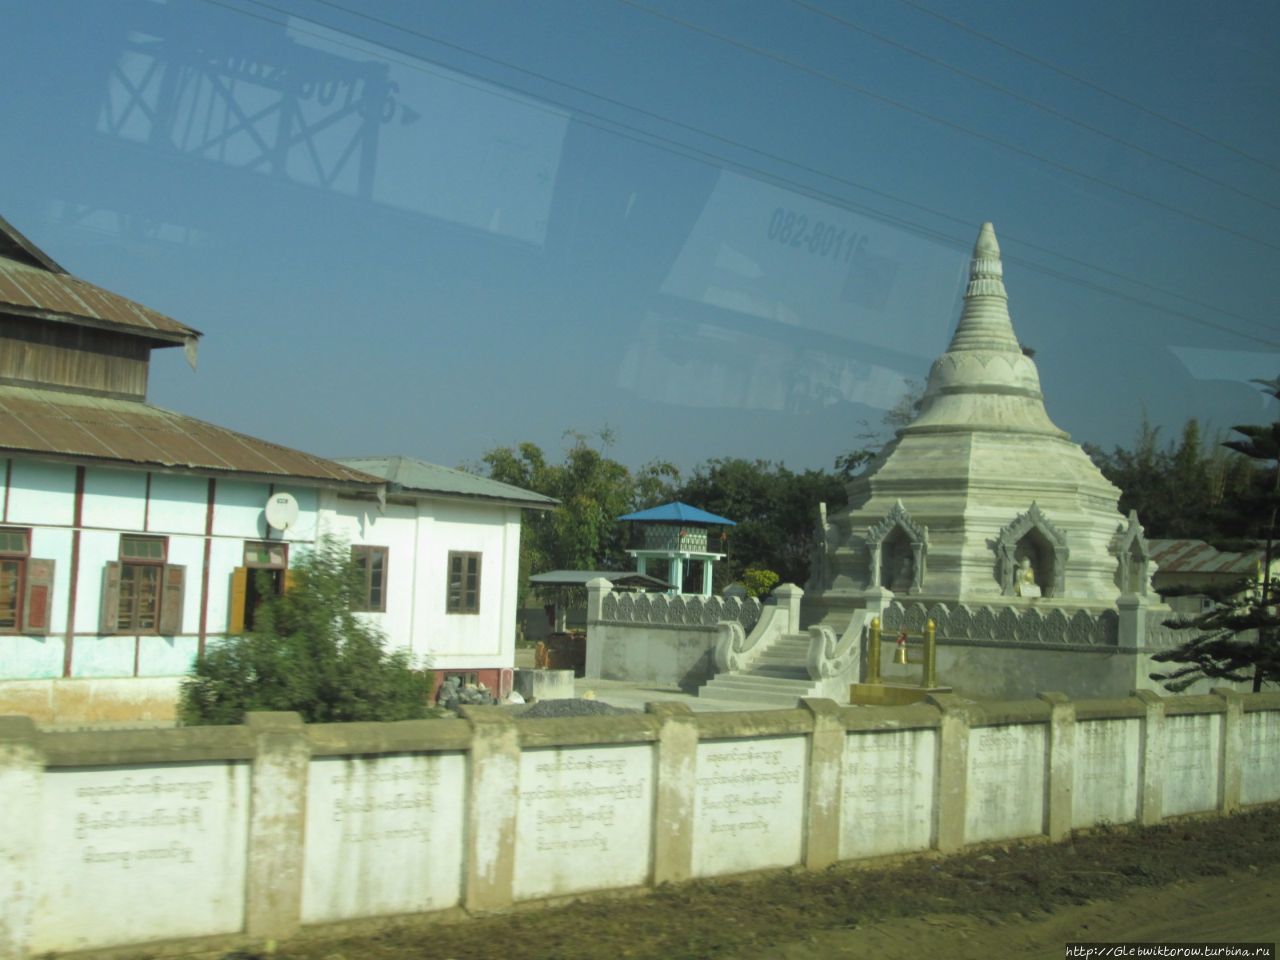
(717, 228)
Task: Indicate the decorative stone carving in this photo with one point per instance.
(828, 657)
(626, 608)
(1030, 535)
(826, 538)
(941, 618)
(893, 618)
(1030, 627)
(1055, 627)
(902, 570)
(1006, 624)
(691, 610)
(1133, 557)
(1080, 630)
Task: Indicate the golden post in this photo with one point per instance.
(929, 675)
(873, 651)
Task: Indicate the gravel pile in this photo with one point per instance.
(572, 708)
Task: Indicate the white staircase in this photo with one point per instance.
(778, 676)
(775, 665)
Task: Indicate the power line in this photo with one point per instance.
(1063, 71)
(698, 155)
(951, 124)
(780, 159)
(1032, 102)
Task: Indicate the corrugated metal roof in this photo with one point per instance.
(418, 476)
(1196, 556)
(32, 284)
(78, 426)
(677, 513)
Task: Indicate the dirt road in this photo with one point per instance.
(1242, 906)
(1190, 881)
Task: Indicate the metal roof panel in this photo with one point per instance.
(65, 424)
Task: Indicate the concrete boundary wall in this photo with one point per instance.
(207, 838)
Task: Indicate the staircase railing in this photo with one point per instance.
(829, 657)
(736, 650)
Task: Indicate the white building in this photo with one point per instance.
(128, 533)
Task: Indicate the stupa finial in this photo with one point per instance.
(984, 322)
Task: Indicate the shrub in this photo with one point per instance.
(759, 582)
(307, 652)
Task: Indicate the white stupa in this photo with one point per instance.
(981, 499)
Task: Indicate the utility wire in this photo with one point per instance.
(506, 64)
(1032, 102)
(656, 141)
(1064, 72)
(950, 124)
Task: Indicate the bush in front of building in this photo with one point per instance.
(308, 652)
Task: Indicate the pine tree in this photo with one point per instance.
(1239, 639)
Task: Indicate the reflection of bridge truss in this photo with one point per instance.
(281, 108)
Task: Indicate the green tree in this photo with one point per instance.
(1189, 489)
(582, 533)
(775, 510)
(309, 653)
(1239, 639)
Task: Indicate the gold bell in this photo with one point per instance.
(900, 651)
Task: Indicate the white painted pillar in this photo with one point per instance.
(677, 573)
(707, 565)
(640, 563)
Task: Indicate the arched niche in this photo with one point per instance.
(898, 548)
(1133, 557)
(1032, 538)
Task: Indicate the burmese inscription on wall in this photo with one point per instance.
(1190, 763)
(154, 848)
(1105, 785)
(585, 819)
(888, 793)
(748, 812)
(384, 835)
(1260, 759)
(1005, 791)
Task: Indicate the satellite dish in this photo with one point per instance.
(282, 511)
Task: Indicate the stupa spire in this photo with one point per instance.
(984, 321)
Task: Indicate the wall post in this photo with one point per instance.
(1231, 749)
(1151, 761)
(21, 773)
(494, 789)
(277, 825)
(674, 792)
(597, 589)
(1061, 765)
(788, 596)
(953, 771)
(826, 784)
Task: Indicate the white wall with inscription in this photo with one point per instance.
(585, 819)
(888, 793)
(140, 853)
(1190, 766)
(383, 836)
(1260, 760)
(748, 811)
(1105, 780)
(1006, 780)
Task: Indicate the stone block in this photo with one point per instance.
(544, 684)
